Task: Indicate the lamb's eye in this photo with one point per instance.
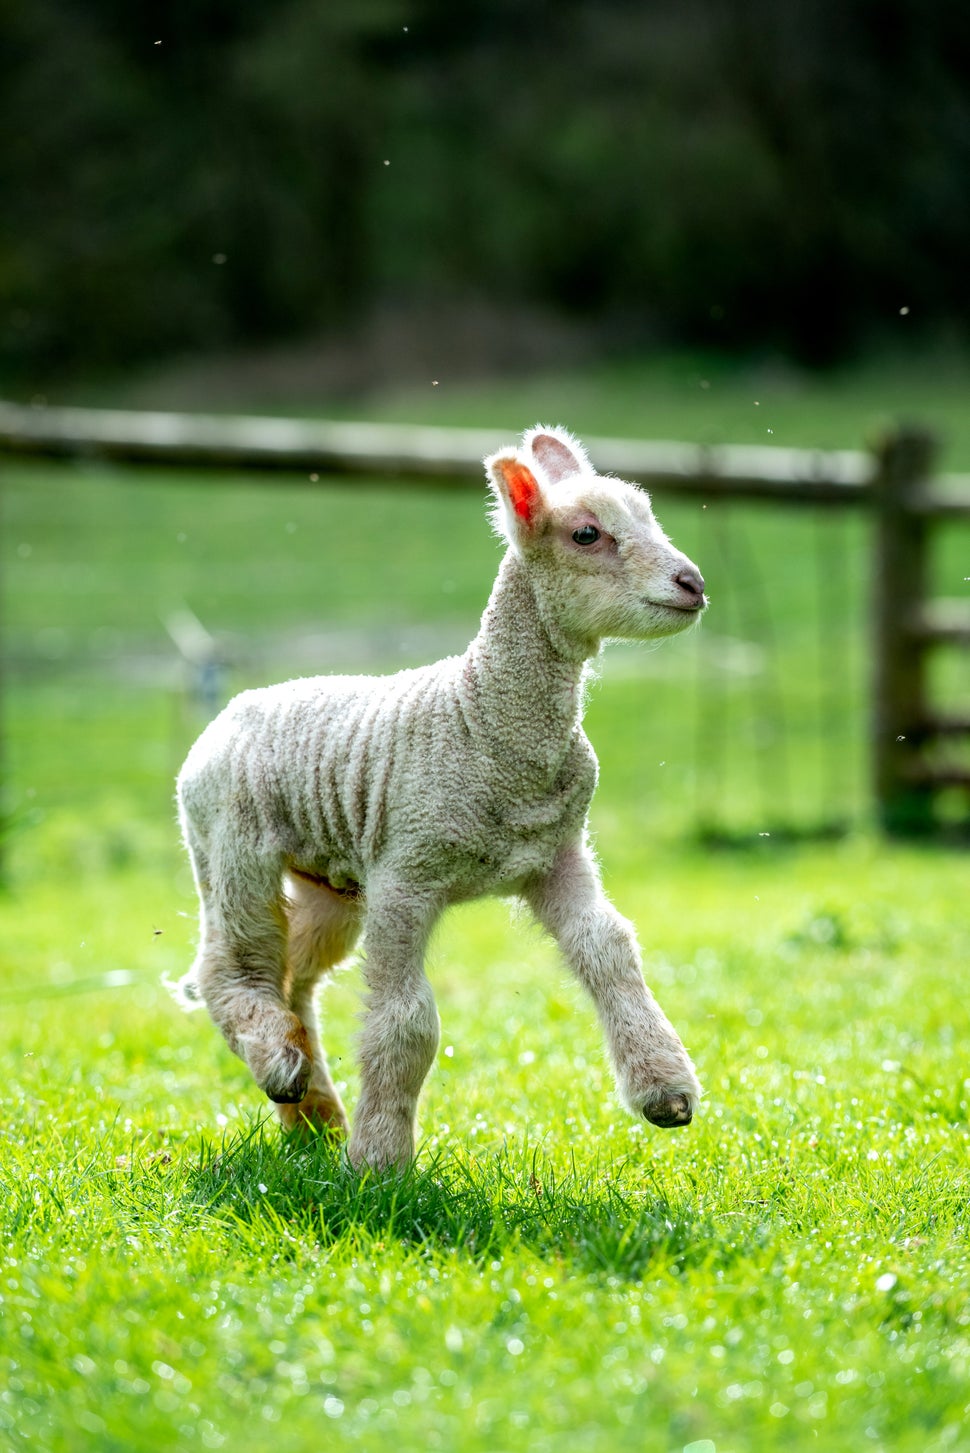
(586, 535)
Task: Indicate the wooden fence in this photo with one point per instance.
(916, 749)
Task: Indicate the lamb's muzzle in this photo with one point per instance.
(322, 809)
(691, 581)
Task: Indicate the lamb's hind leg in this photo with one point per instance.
(654, 1073)
(323, 928)
(239, 971)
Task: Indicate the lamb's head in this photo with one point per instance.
(600, 564)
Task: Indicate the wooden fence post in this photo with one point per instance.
(903, 798)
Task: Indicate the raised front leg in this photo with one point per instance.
(654, 1074)
(401, 1029)
(239, 970)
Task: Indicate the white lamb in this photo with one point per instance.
(323, 807)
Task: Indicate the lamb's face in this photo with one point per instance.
(602, 563)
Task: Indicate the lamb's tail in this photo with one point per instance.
(185, 991)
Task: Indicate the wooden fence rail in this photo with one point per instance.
(897, 481)
(412, 451)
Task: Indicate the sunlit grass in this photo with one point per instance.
(790, 1272)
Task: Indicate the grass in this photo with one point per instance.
(711, 398)
(791, 1272)
(703, 396)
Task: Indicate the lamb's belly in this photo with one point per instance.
(328, 853)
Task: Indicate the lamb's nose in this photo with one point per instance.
(691, 580)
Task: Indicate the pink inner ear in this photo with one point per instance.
(523, 491)
(554, 457)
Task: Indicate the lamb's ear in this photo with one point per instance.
(556, 453)
(518, 492)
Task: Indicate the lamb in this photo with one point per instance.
(322, 808)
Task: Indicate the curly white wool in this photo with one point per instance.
(319, 808)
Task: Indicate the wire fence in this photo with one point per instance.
(750, 703)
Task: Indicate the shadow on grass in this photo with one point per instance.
(592, 1219)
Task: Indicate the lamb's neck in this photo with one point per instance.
(522, 689)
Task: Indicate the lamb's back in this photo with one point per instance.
(308, 767)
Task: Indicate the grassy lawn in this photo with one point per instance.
(705, 397)
(790, 1272)
(715, 400)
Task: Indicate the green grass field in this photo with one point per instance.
(791, 1272)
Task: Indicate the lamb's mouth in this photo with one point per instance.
(689, 608)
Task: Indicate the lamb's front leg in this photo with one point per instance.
(654, 1073)
(400, 1035)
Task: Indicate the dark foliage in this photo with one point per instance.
(206, 175)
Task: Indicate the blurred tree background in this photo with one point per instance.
(208, 175)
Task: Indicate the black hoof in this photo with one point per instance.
(291, 1089)
(670, 1111)
(290, 1095)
